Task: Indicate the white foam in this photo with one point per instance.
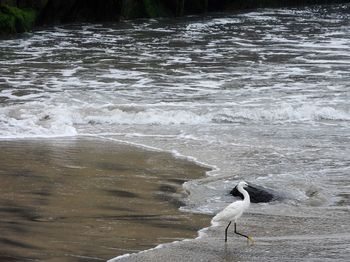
(148, 116)
(198, 116)
(286, 112)
(71, 71)
(43, 119)
(34, 120)
(119, 257)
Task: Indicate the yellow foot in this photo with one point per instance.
(251, 241)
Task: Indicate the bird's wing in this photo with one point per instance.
(231, 212)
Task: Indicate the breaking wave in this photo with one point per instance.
(40, 120)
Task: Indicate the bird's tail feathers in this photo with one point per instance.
(216, 219)
(214, 223)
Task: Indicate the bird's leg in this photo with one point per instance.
(240, 233)
(226, 231)
(249, 238)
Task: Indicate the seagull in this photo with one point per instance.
(234, 211)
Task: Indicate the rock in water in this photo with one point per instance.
(258, 194)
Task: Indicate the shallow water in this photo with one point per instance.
(262, 96)
(90, 200)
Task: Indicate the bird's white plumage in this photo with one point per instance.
(235, 210)
(231, 213)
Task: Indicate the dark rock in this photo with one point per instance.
(258, 194)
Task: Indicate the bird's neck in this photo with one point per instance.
(246, 198)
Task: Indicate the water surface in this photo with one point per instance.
(262, 96)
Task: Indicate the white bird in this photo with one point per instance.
(234, 211)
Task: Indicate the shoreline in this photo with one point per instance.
(159, 209)
(273, 235)
(282, 245)
(175, 154)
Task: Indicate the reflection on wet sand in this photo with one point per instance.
(86, 200)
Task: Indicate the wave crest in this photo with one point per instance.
(38, 119)
(286, 113)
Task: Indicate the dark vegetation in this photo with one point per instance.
(13, 19)
(20, 15)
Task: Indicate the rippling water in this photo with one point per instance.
(262, 96)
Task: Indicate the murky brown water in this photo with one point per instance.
(86, 200)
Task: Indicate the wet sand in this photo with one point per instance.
(319, 236)
(90, 200)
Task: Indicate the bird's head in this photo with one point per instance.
(243, 184)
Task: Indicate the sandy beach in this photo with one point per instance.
(277, 238)
(90, 200)
(93, 200)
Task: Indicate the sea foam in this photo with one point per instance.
(41, 119)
